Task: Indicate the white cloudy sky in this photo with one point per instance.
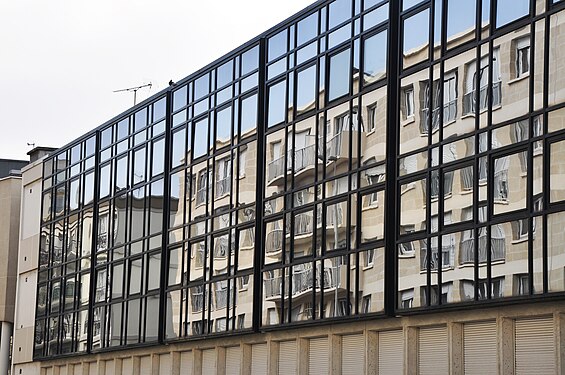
(60, 60)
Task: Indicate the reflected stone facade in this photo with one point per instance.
(362, 159)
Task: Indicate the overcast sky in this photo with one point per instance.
(61, 60)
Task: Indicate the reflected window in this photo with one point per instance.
(470, 97)
(408, 102)
(522, 57)
(340, 77)
(375, 58)
(371, 117)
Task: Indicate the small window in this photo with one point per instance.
(522, 284)
(522, 57)
(371, 117)
(406, 299)
(366, 304)
(409, 101)
(369, 257)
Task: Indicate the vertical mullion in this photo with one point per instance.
(392, 220)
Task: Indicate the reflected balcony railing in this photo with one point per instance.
(274, 241)
(446, 258)
(497, 249)
(333, 213)
(303, 224)
(303, 158)
(469, 100)
(302, 280)
(223, 186)
(449, 115)
(334, 147)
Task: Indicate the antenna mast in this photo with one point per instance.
(134, 89)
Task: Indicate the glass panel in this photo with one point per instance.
(556, 89)
(416, 38)
(374, 57)
(277, 45)
(510, 10)
(249, 60)
(340, 66)
(248, 115)
(555, 241)
(225, 74)
(461, 19)
(307, 29)
(200, 138)
(306, 89)
(201, 87)
(340, 11)
(557, 172)
(277, 105)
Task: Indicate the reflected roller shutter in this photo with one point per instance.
(209, 361)
(432, 351)
(480, 348)
(186, 363)
(352, 354)
(287, 358)
(233, 360)
(318, 356)
(259, 359)
(535, 346)
(391, 353)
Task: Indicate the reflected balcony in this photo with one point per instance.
(302, 281)
(337, 147)
(469, 99)
(304, 160)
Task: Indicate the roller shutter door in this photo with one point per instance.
(186, 363)
(391, 353)
(352, 354)
(535, 347)
(209, 361)
(318, 357)
(233, 360)
(480, 348)
(259, 359)
(287, 358)
(433, 358)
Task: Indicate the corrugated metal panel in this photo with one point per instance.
(233, 360)
(535, 347)
(480, 348)
(186, 363)
(287, 358)
(259, 359)
(209, 361)
(318, 357)
(352, 354)
(433, 356)
(391, 352)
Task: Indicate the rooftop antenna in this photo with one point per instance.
(134, 89)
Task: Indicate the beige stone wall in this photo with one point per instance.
(399, 342)
(27, 263)
(10, 197)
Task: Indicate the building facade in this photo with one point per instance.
(369, 186)
(10, 198)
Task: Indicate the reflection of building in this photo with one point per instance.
(323, 173)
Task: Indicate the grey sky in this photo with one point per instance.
(60, 60)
